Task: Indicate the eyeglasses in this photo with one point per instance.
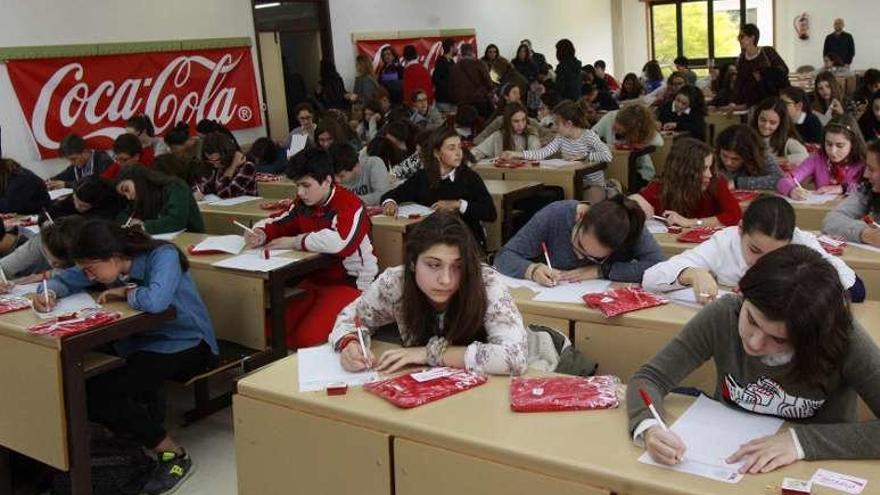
(581, 252)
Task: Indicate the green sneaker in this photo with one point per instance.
(170, 472)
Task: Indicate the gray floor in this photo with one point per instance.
(210, 444)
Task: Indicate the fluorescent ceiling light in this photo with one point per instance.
(267, 5)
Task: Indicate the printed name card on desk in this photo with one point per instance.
(60, 193)
(712, 432)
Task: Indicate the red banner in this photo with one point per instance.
(430, 49)
(94, 96)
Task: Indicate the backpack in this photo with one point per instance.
(119, 467)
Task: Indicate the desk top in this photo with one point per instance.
(590, 447)
(572, 166)
(206, 261)
(668, 317)
(15, 324)
(398, 224)
(250, 209)
(502, 187)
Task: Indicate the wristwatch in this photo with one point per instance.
(699, 222)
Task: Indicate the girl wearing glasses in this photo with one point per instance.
(605, 240)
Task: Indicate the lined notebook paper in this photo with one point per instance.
(320, 366)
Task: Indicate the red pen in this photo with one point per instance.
(265, 253)
(357, 329)
(650, 404)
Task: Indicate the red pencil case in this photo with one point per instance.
(515, 163)
(406, 391)
(618, 301)
(263, 177)
(564, 393)
(281, 204)
(741, 195)
(191, 249)
(73, 323)
(8, 304)
(833, 245)
(698, 235)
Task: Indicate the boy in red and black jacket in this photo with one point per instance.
(324, 218)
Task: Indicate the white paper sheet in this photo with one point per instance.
(272, 252)
(555, 163)
(253, 263)
(320, 366)
(234, 201)
(656, 226)
(297, 143)
(70, 304)
(168, 236)
(405, 210)
(21, 290)
(686, 296)
(816, 199)
(60, 193)
(562, 293)
(232, 244)
(713, 431)
(867, 247)
(210, 199)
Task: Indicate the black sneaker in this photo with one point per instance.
(171, 470)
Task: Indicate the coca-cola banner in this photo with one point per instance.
(429, 48)
(94, 96)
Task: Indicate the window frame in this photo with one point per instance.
(710, 15)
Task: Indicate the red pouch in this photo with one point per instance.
(741, 195)
(8, 304)
(618, 301)
(374, 210)
(698, 235)
(407, 391)
(191, 249)
(73, 323)
(833, 245)
(564, 393)
(263, 177)
(499, 163)
(281, 204)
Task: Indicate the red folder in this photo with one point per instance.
(407, 391)
(564, 393)
(698, 234)
(8, 304)
(618, 301)
(741, 195)
(63, 326)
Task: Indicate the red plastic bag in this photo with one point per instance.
(698, 234)
(515, 163)
(281, 204)
(8, 304)
(564, 393)
(741, 195)
(833, 245)
(63, 326)
(618, 301)
(407, 391)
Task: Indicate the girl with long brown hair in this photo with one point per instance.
(450, 309)
(743, 160)
(635, 126)
(828, 102)
(689, 194)
(515, 134)
(770, 118)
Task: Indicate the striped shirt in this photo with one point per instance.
(587, 147)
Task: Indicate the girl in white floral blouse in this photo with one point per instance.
(450, 309)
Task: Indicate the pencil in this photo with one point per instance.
(245, 227)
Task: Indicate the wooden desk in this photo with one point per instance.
(807, 217)
(865, 263)
(660, 155)
(618, 169)
(569, 177)
(621, 344)
(218, 219)
(475, 435)
(718, 121)
(43, 382)
(283, 189)
(237, 299)
(504, 194)
(389, 239)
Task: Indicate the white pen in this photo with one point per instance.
(245, 227)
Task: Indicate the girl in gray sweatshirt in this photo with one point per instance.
(787, 347)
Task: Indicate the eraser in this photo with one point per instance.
(337, 389)
(792, 486)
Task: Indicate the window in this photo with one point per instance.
(705, 30)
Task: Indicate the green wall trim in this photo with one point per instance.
(94, 49)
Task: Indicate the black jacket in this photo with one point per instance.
(841, 45)
(25, 193)
(468, 185)
(811, 130)
(440, 77)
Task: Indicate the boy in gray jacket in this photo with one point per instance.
(367, 177)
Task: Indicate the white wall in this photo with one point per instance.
(862, 18)
(56, 22)
(587, 23)
(633, 37)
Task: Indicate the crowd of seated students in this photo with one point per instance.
(406, 135)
